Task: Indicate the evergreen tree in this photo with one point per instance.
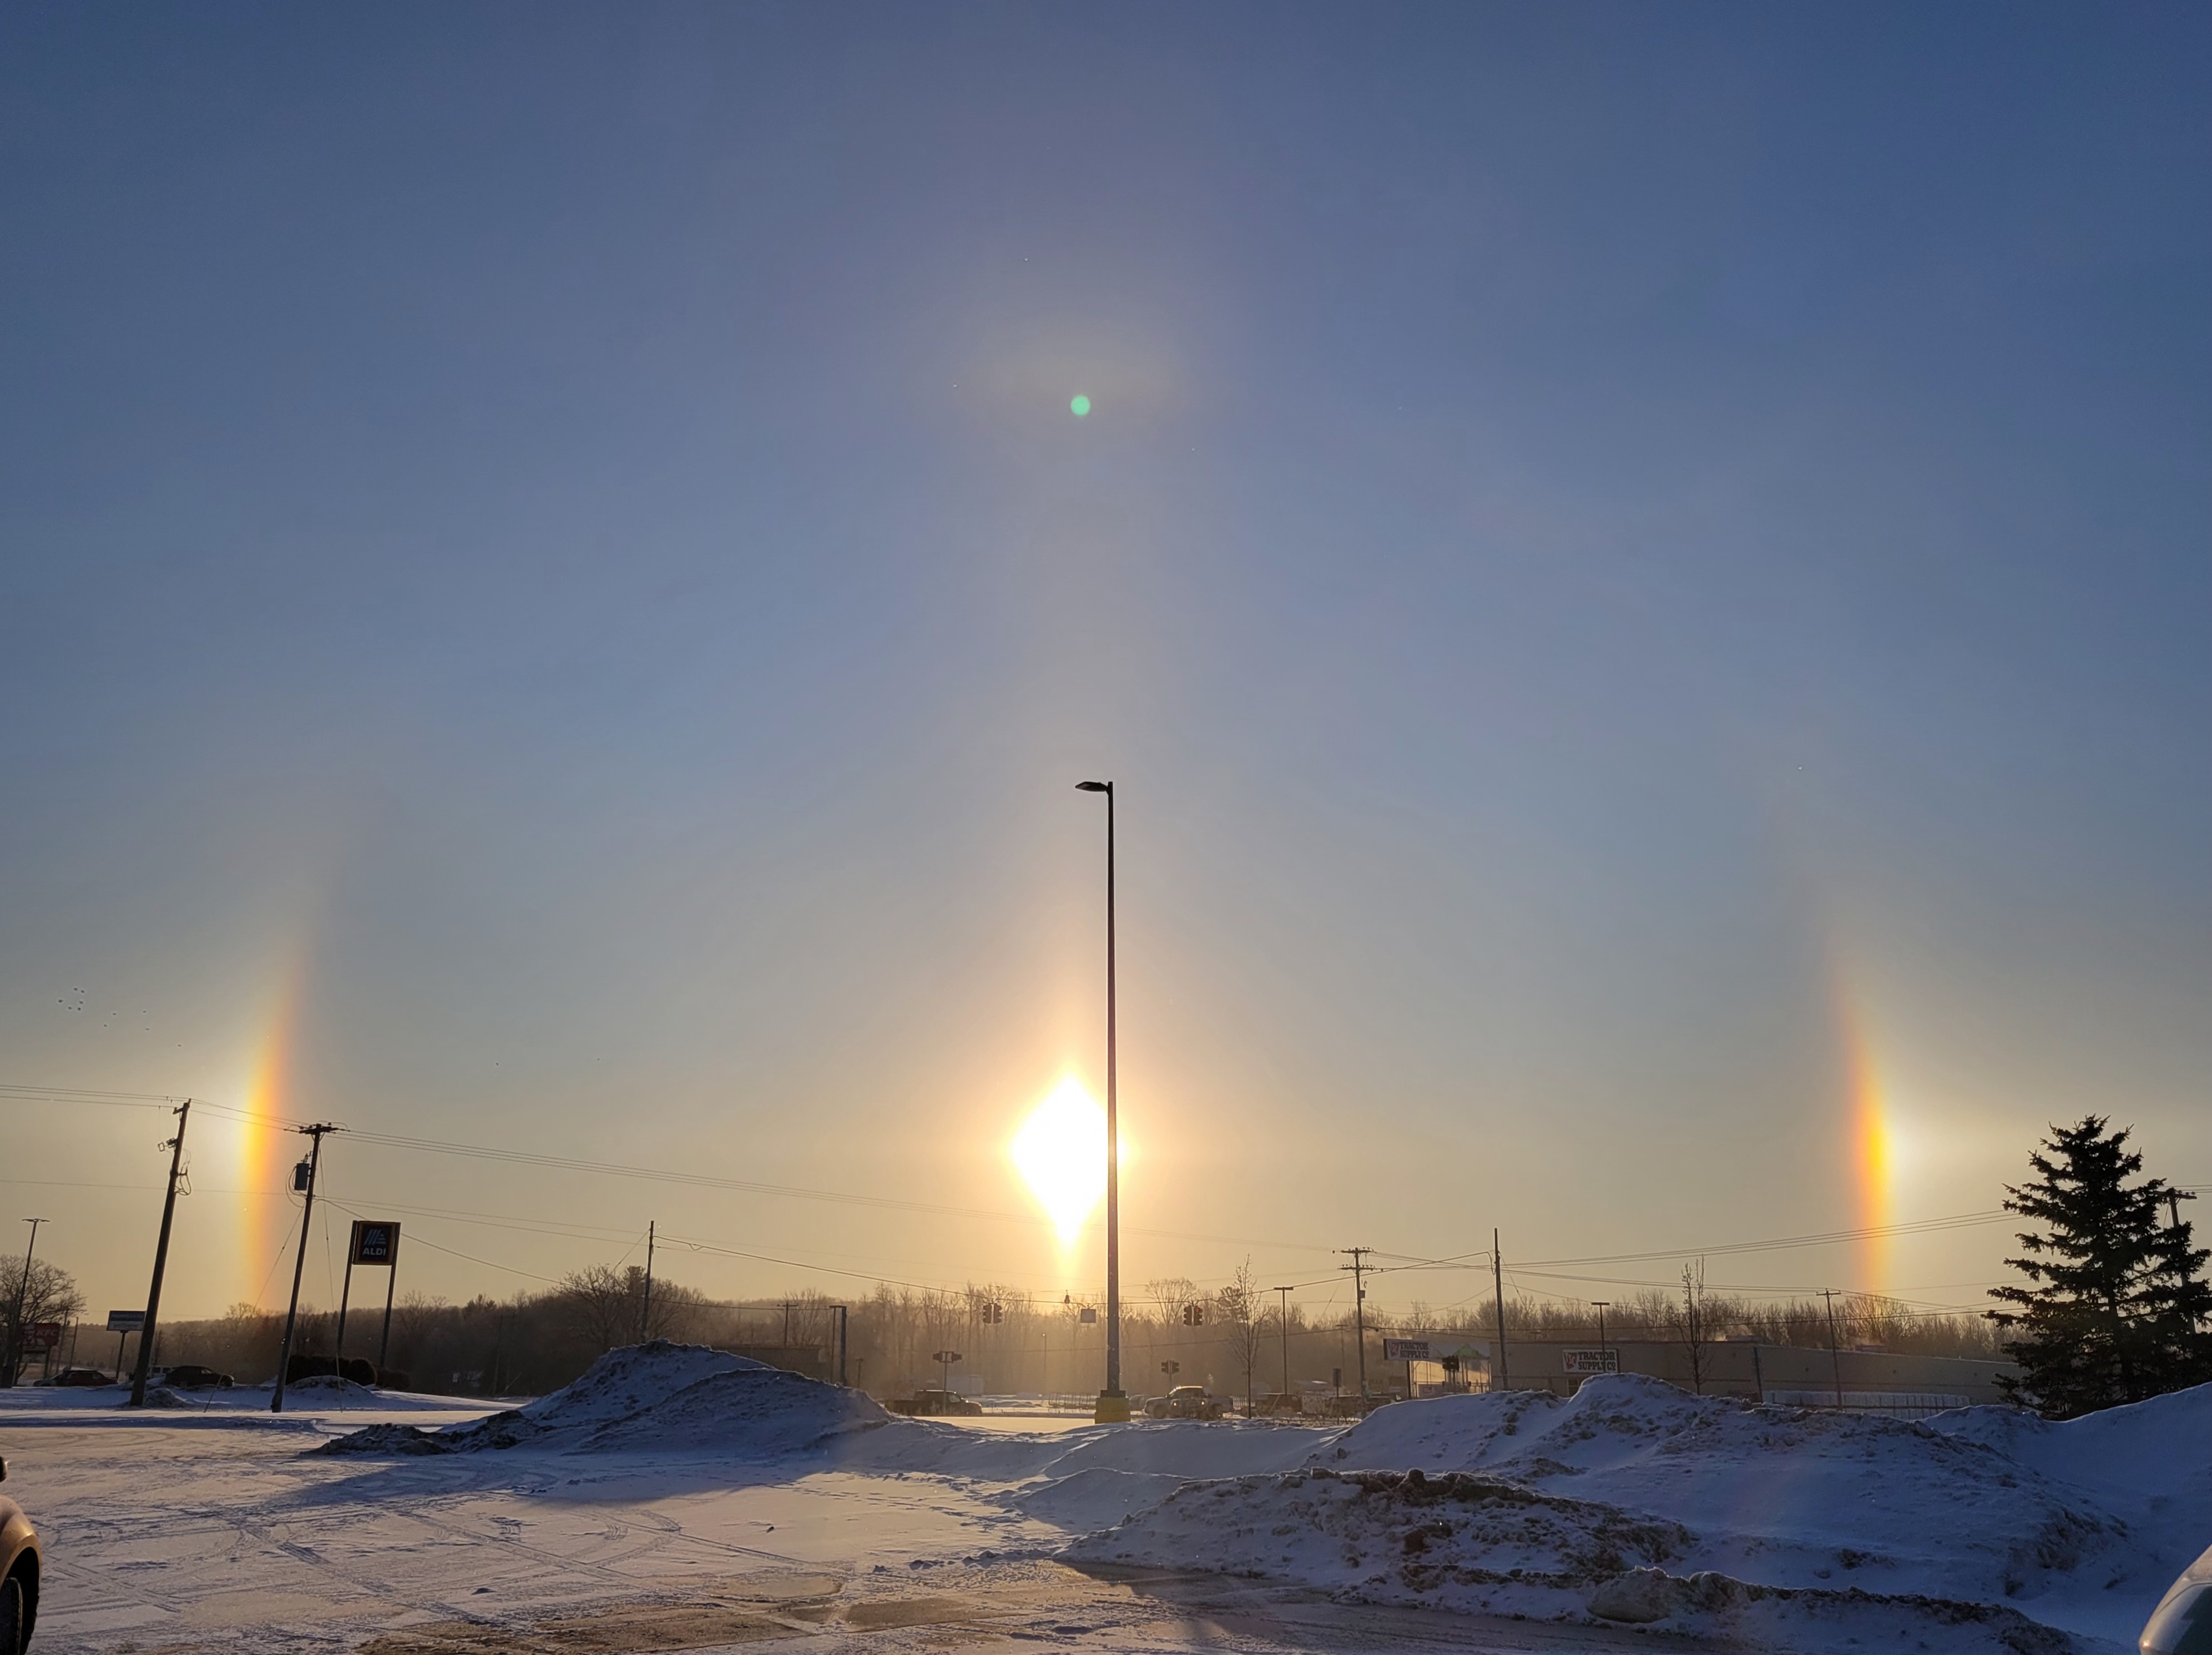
(2115, 1311)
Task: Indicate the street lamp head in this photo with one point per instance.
(1095, 786)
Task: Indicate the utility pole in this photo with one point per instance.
(645, 1314)
(843, 1311)
(1497, 1279)
(1835, 1361)
(1358, 1267)
(22, 1296)
(300, 1261)
(1285, 1316)
(176, 1148)
(1600, 1304)
(1112, 1402)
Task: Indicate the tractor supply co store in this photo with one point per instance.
(1888, 1381)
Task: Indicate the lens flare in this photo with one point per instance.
(1079, 406)
(1060, 1151)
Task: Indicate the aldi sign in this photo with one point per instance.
(375, 1241)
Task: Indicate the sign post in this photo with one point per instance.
(1408, 1351)
(374, 1242)
(123, 1324)
(945, 1359)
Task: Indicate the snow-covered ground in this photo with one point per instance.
(678, 1498)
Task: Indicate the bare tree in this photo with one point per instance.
(1244, 1311)
(605, 1307)
(1692, 1323)
(47, 1293)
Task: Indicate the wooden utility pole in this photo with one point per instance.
(1497, 1281)
(176, 1148)
(299, 1262)
(645, 1313)
(1285, 1317)
(1835, 1361)
(1359, 1268)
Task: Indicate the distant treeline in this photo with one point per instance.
(1231, 1340)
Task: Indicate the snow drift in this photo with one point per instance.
(657, 1397)
(1973, 1527)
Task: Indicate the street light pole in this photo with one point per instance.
(1112, 1402)
(22, 1296)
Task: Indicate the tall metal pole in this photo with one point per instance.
(1284, 1316)
(1112, 1402)
(176, 1148)
(345, 1295)
(391, 1286)
(22, 1296)
(299, 1262)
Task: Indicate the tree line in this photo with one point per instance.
(2112, 1308)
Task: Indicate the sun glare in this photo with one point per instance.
(1061, 1150)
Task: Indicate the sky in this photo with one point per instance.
(1640, 574)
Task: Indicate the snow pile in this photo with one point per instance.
(329, 1390)
(657, 1397)
(384, 1440)
(1466, 1542)
(756, 1411)
(1761, 1517)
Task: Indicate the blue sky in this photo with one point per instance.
(1631, 565)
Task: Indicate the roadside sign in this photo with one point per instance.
(126, 1321)
(1406, 1350)
(945, 1358)
(42, 1336)
(1591, 1361)
(375, 1241)
(1087, 1315)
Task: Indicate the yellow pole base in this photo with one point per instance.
(1113, 1408)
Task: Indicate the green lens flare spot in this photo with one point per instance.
(1079, 406)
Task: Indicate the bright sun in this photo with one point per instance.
(1061, 1151)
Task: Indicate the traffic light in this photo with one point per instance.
(1194, 1315)
(994, 1312)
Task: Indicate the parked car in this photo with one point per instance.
(2182, 1622)
(191, 1375)
(19, 1568)
(1186, 1403)
(79, 1376)
(931, 1403)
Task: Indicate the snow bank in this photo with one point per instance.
(654, 1398)
(1810, 1518)
(756, 1411)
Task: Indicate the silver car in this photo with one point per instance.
(2181, 1623)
